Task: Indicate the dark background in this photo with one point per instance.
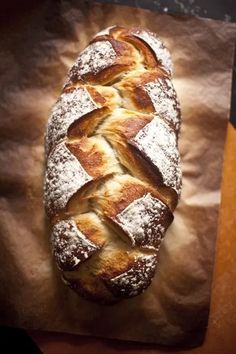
(218, 9)
(17, 341)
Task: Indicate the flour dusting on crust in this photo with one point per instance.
(69, 245)
(64, 177)
(93, 59)
(145, 221)
(157, 142)
(135, 280)
(70, 107)
(161, 52)
(164, 100)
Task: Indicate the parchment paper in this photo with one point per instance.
(37, 48)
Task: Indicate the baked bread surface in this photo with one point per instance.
(113, 176)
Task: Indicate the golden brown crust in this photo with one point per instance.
(90, 288)
(123, 60)
(149, 57)
(136, 91)
(91, 228)
(112, 176)
(132, 125)
(88, 122)
(89, 156)
(116, 263)
(135, 279)
(133, 87)
(120, 131)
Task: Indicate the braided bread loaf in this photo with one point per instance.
(113, 177)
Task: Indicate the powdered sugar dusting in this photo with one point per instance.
(164, 100)
(70, 107)
(157, 141)
(69, 245)
(64, 177)
(145, 220)
(93, 59)
(136, 279)
(161, 52)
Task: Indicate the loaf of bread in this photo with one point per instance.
(113, 176)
